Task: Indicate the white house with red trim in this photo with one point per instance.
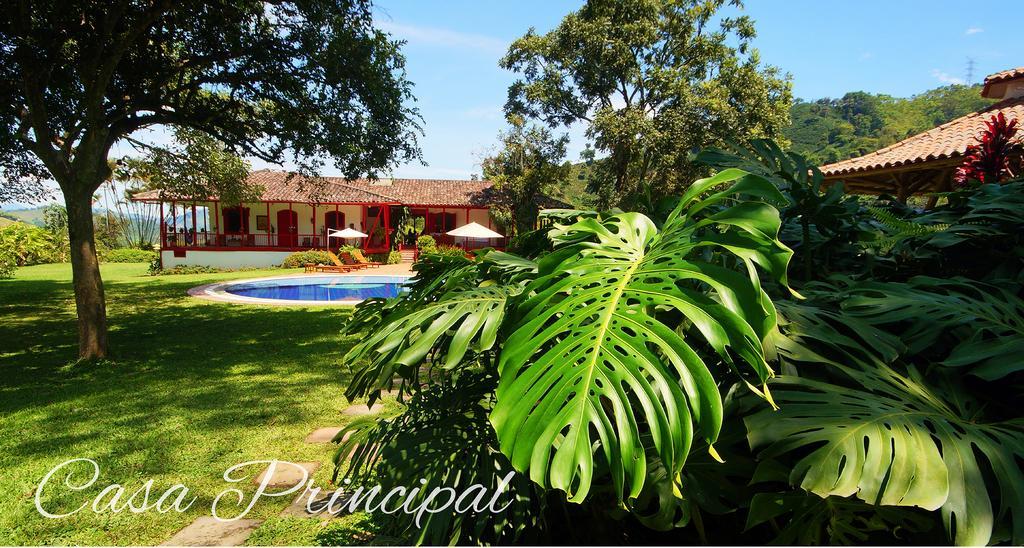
(295, 214)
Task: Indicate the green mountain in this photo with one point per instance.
(33, 216)
(829, 130)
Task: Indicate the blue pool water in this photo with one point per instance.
(321, 288)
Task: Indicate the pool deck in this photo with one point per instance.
(215, 292)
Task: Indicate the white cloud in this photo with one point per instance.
(973, 30)
(946, 78)
(866, 55)
(444, 37)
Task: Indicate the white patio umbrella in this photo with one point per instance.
(346, 233)
(474, 230)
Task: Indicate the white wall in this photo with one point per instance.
(225, 259)
(304, 214)
(478, 216)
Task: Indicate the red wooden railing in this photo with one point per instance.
(268, 242)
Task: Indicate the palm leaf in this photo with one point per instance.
(893, 439)
(592, 353)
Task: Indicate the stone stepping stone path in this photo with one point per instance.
(323, 435)
(299, 507)
(361, 409)
(286, 475)
(207, 531)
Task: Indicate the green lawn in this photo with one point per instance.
(192, 387)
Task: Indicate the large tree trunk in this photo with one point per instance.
(85, 267)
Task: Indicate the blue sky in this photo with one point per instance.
(899, 48)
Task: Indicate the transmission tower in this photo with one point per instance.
(970, 70)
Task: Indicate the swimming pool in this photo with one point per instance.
(323, 289)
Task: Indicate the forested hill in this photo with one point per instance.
(828, 130)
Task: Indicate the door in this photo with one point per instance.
(287, 228)
(334, 220)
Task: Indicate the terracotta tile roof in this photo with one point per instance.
(280, 186)
(946, 141)
(1004, 75)
(996, 84)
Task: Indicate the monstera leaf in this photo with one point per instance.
(457, 323)
(984, 321)
(596, 358)
(453, 310)
(892, 439)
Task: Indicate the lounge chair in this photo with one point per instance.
(348, 260)
(361, 259)
(332, 268)
(338, 266)
(345, 261)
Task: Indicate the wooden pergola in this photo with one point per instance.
(926, 162)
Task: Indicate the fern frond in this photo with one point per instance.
(901, 228)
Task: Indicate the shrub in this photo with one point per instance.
(28, 244)
(395, 257)
(129, 255)
(379, 257)
(450, 251)
(195, 269)
(8, 262)
(443, 251)
(301, 258)
(426, 243)
(190, 269)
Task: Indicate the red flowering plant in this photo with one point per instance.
(992, 159)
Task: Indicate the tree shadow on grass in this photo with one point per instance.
(177, 364)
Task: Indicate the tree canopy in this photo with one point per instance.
(652, 80)
(277, 80)
(527, 165)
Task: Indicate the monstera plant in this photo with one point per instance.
(861, 424)
(624, 368)
(605, 355)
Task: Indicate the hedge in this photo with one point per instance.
(302, 258)
(128, 255)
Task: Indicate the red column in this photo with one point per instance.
(269, 243)
(195, 230)
(174, 222)
(316, 237)
(387, 228)
(163, 227)
(216, 229)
